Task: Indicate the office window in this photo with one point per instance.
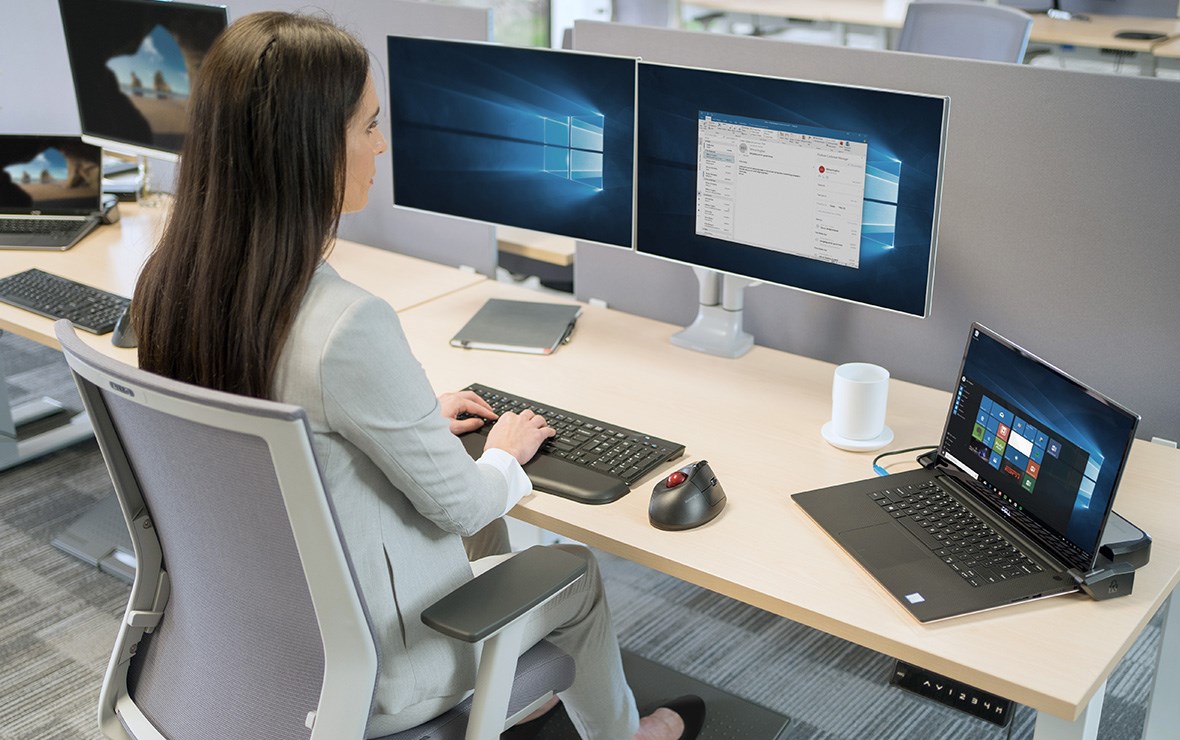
(573, 148)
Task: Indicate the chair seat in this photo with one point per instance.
(537, 671)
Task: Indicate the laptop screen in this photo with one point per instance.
(1047, 451)
(52, 175)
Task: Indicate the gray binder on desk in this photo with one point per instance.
(518, 326)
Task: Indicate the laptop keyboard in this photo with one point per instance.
(41, 225)
(963, 540)
(55, 297)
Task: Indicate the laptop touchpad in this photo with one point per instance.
(883, 546)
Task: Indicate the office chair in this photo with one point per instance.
(970, 30)
(245, 619)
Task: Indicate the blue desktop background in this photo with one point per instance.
(1080, 415)
(472, 135)
(899, 127)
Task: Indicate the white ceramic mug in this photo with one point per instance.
(860, 391)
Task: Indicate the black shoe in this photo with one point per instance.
(691, 710)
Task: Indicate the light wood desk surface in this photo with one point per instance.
(1168, 49)
(111, 257)
(1098, 32)
(757, 421)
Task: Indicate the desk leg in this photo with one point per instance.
(1085, 727)
(1163, 711)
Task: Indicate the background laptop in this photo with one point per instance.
(1027, 449)
(50, 191)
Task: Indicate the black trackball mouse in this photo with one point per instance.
(687, 498)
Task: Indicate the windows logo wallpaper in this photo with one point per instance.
(520, 136)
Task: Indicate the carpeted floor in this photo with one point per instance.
(59, 617)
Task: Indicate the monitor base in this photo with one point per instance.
(717, 328)
(715, 331)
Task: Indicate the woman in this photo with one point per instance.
(282, 139)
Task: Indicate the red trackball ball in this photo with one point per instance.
(675, 479)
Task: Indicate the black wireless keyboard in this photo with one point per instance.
(55, 297)
(589, 460)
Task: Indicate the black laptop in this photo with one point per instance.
(50, 191)
(1011, 505)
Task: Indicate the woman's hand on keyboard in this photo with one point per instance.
(467, 403)
(519, 434)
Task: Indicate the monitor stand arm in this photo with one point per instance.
(717, 329)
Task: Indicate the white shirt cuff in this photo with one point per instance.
(518, 481)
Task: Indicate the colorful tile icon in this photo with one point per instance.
(995, 460)
(1038, 454)
(1028, 483)
(1033, 469)
(989, 439)
(1040, 439)
(1018, 426)
(999, 445)
(985, 404)
(982, 417)
(1054, 448)
(992, 423)
(978, 432)
(1002, 431)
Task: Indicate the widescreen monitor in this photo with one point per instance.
(533, 138)
(826, 188)
(133, 64)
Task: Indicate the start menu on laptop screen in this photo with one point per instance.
(1047, 447)
(50, 174)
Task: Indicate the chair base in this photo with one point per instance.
(100, 538)
(727, 716)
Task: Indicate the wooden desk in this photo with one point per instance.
(112, 256)
(1098, 32)
(757, 420)
(1167, 49)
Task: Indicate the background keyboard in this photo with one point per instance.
(55, 297)
(589, 460)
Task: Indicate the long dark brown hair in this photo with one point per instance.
(258, 199)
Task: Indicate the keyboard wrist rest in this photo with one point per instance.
(560, 477)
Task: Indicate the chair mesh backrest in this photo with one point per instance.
(968, 30)
(238, 653)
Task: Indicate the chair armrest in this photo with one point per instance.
(487, 604)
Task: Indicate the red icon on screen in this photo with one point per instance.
(821, 169)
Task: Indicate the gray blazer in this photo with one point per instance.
(403, 486)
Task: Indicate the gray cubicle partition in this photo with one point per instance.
(438, 238)
(1060, 224)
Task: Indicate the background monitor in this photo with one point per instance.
(49, 174)
(533, 138)
(826, 188)
(133, 64)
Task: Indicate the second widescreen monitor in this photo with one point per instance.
(532, 138)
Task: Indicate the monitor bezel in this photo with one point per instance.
(757, 280)
(530, 49)
(123, 146)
